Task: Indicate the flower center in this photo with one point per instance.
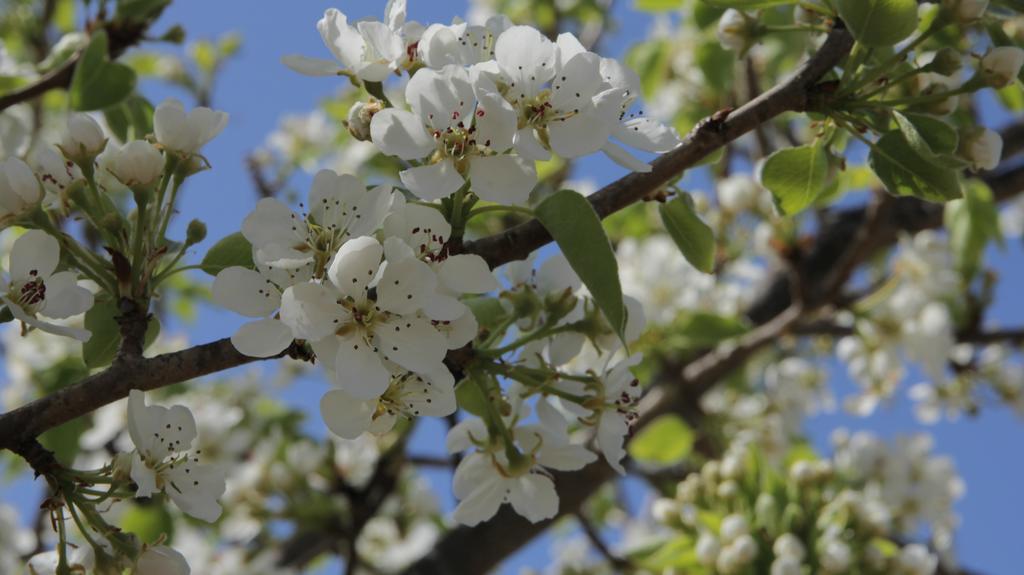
(29, 294)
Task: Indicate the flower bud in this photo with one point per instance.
(195, 233)
(965, 11)
(112, 222)
(786, 566)
(138, 164)
(664, 510)
(83, 140)
(789, 545)
(736, 31)
(728, 489)
(835, 556)
(733, 526)
(20, 190)
(359, 116)
(707, 549)
(946, 61)
(1001, 66)
(932, 83)
(982, 147)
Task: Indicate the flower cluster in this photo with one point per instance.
(487, 101)
(837, 515)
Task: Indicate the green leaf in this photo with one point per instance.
(972, 222)
(232, 250)
(666, 441)
(703, 330)
(470, 398)
(148, 522)
(106, 336)
(905, 173)
(488, 311)
(694, 238)
(795, 177)
(678, 554)
(931, 138)
(574, 224)
(6, 315)
(140, 10)
(657, 5)
(879, 23)
(748, 4)
(97, 82)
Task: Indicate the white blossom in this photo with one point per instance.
(966, 11)
(33, 287)
(137, 164)
(81, 558)
(83, 140)
(357, 337)
(982, 148)
(186, 133)
(162, 460)
(20, 191)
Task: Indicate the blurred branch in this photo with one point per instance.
(121, 38)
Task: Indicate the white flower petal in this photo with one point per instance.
(311, 311)
(647, 134)
(533, 496)
(245, 292)
(529, 147)
(358, 369)
(34, 254)
(346, 416)
(467, 273)
(196, 488)
(401, 133)
(412, 342)
(262, 338)
(64, 297)
(527, 58)
(355, 266)
(434, 181)
(405, 286)
(503, 179)
(623, 158)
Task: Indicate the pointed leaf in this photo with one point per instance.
(694, 238)
(232, 250)
(795, 177)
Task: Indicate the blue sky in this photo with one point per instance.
(256, 90)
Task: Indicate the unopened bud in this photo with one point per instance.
(359, 117)
(83, 140)
(737, 31)
(196, 233)
(176, 35)
(982, 147)
(965, 11)
(1001, 66)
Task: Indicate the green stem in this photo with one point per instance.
(494, 421)
(541, 333)
(165, 274)
(900, 56)
(137, 251)
(169, 210)
(82, 528)
(455, 219)
(793, 28)
(895, 81)
(62, 547)
(915, 100)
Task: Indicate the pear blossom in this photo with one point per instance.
(485, 480)
(186, 133)
(83, 140)
(20, 190)
(162, 560)
(577, 113)
(362, 335)
(33, 287)
(1002, 65)
(340, 207)
(461, 43)
(463, 126)
(371, 50)
(54, 170)
(137, 164)
(257, 294)
(424, 233)
(982, 147)
(633, 129)
(162, 460)
(735, 30)
(408, 395)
